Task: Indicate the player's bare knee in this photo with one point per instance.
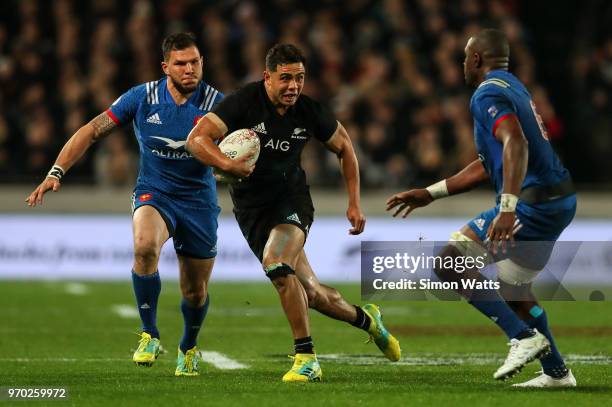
(195, 296)
(145, 251)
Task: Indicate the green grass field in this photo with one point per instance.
(81, 336)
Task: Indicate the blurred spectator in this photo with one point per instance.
(4, 145)
(40, 141)
(116, 165)
(391, 71)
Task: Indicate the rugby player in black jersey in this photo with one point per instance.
(273, 205)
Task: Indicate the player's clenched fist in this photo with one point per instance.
(36, 197)
(407, 201)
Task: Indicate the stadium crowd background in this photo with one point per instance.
(390, 69)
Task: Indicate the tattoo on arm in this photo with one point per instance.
(102, 125)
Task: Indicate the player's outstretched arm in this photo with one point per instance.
(515, 157)
(72, 151)
(468, 178)
(201, 145)
(473, 175)
(340, 144)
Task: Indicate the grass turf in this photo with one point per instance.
(50, 338)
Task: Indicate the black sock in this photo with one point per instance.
(304, 345)
(525, 333)
(362, 321)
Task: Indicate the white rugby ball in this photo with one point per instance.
(238, 144)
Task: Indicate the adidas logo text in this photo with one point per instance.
(294, 217)
(260, 128)
(154, 119)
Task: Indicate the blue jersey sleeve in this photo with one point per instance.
(124, 108)
(489, 107)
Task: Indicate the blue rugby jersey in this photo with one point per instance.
(499, 95)
(161, 127)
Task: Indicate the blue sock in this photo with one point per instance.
(147, 289)
(193, 318)
(552, 364)
(490, 303)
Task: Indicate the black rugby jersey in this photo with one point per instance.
(283, 137)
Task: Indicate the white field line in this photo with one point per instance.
(434, 359)
(76, 289)
(217, 359)
(64, 360)
(254, 311)
(220, 361)
(125, 311)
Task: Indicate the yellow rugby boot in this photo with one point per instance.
(305, 369)
(148, 350)
(187, 363)
(379, 334)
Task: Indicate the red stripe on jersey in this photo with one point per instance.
(501, 119)
(112, 116)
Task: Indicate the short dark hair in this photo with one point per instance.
(177, 41)
(283, 54)
(493, 43)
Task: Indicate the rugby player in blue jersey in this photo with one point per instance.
(535, 203)
(175, 196)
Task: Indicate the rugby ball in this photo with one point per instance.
(238, 144)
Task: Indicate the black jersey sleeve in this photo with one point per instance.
(325, 123)
(232, 109)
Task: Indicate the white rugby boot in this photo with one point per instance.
(522, 352)
(544, 380)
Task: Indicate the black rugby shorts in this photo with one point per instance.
(257, 223)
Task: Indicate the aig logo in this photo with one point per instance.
(282, 145)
